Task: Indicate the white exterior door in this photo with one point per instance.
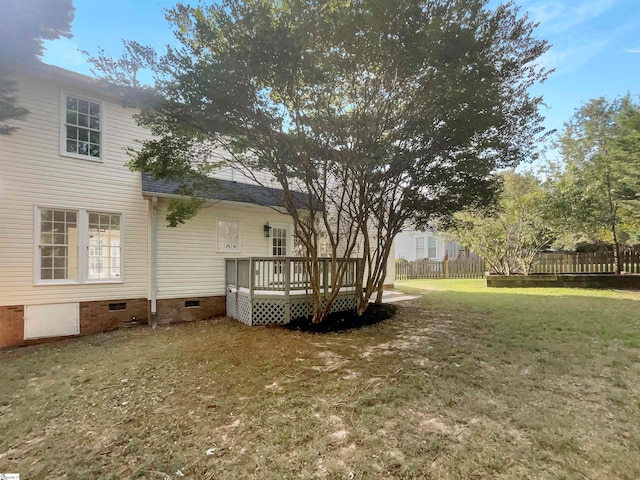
(279, 246)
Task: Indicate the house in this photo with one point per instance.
(411, 245)
(84, 245)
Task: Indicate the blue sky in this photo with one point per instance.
(595, 52)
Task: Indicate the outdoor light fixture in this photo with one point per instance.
(267, 230)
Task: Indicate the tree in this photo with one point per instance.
(24, 24)
(596, 187)
(509, 237)
(379, 111)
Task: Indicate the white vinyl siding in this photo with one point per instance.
(188, 263)
(434, 246)
(33, 173)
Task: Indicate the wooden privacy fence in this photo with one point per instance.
(596, 262)
(460, 268)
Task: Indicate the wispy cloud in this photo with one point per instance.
(632, 50)
(63, 52)
(557, 17)
(573, 57)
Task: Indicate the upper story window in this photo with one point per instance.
(82, 128)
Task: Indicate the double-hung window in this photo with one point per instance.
(82, 128)
(58, 244)
(76, 246)
(104, 246)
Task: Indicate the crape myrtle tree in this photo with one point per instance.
(24, 24)
(380, 111)
(509, 236)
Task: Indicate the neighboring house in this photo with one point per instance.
(414, 245)
(84, 245)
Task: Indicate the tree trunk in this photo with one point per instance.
(617, 261)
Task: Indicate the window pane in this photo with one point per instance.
(94, 123)
(72, 133)
(94, 150)
(83, 148)
(72, 117)
(72, 146)
(83, 120)
(60, 273)
(83, 106)
(94, 137)
(83, 135)
(94, 109)
(72, 103)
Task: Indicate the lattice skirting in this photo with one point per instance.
(266, 311)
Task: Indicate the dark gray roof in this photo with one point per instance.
(227, 190)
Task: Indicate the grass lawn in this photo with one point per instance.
(466, 382)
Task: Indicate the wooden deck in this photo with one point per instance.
(267, 290)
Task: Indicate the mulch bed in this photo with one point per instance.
(340, 321)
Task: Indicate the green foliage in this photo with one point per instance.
(24, 24)
(509, 237)
(384, 111)
(181, 209)
(596, 191)
(432, 92)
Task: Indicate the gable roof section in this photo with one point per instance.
(228, 191)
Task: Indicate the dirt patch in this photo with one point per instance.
(340, 321)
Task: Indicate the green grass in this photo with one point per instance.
(466, 382)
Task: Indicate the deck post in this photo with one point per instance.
(252, 279)
(325, 277)
(287, 289)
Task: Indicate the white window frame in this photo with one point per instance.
(82, 275)
(228, 250)
(289, 229)
(63, 128)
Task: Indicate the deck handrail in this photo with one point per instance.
(284, 274)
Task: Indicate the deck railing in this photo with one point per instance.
(287, 274)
